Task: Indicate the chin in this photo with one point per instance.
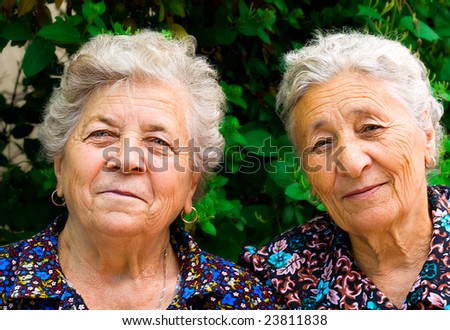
(120, 225)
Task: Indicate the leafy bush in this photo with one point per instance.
(258, 191)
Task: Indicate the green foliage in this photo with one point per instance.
(259, 190)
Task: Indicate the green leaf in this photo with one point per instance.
(263, 36)
(288, 214)
(296, 191)
(282, 7)
(422, 30)
(248, 27)
(261, 143)
(225, 35)
(17, 31)
(93, 30)
(258, 215)
(38, 54)
(230, 130)
(234, 94)
(74, 20)
(266, 17)
(120, 30)
(91, 11)
(300, 217)
(175, 6)
(162, 12)
(208, 228)
(369, 12)
(224, 206)
(236, 138)
(445, 70)
(100, 24)
(60, 31)
(281, 172)
(233, 167)
(446, 144)
(218, 181)
(443, 30)
(243, 8)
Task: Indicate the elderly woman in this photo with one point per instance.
(128, 131)
(360, 112)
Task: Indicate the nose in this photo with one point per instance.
(130, 157)
(352, 159)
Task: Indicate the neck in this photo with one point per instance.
(393, 258)
(390, 250)
(116, 273)
(111, 257)
(405, 243)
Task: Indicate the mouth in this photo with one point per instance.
(122, 193)
(363, 192)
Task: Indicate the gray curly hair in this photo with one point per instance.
(111, 60)
(329, 54)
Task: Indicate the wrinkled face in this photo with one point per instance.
(122, 172)
(363, 153)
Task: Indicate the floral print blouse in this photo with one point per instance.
(31, 277)
(312, 267)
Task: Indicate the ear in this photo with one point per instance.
(194, 184)
(430, 144)
(57, 163)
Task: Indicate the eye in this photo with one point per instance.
(159, 141)
(371, 130)
(158, 146)
(101, 136)
(371, 127)
(322, 145)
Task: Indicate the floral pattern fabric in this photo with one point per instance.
(31, 277)
(312, 267)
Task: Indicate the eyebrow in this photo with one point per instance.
(322, 122)
(110, 121)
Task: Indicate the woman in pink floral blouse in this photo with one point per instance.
(361, 114)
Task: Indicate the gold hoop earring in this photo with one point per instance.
(433, 164)
(314, 200)
(52, 197)
(192, 220)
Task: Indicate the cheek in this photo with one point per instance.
(170, 173)
(321, 180)
(403, 154)
(81, 170)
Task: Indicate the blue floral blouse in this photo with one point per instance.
(312, 267)
(31, 277)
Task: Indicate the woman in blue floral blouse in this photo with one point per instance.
(132, 130)
(362, 116)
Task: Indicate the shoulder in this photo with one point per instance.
(35, 245)
(300, 243)
(11, 254)
(21, 257)
(13, 257)
(227, 272)
(240, 288)
(213, 276)
(438, 194)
